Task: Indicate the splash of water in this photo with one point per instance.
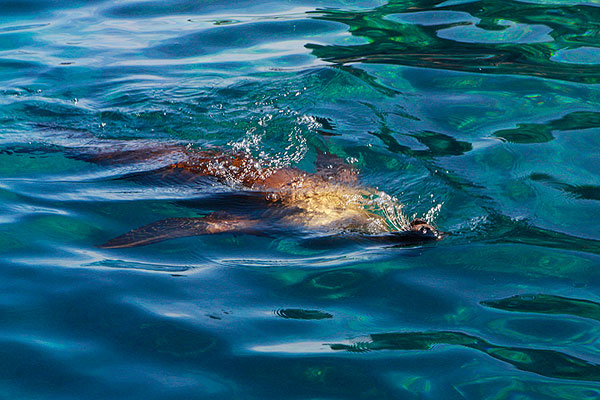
(296, 144)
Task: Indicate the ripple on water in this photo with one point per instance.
(549, 363)
(298, 313)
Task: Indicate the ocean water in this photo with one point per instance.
(481, 116)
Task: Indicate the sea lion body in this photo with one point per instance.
(329, 201)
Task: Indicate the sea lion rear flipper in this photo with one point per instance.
(129, 153)
(172, 228)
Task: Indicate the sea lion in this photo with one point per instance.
(329, 200)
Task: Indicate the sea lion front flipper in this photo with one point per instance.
(172, 228)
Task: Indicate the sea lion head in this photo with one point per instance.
(418, 231)
(424, 229)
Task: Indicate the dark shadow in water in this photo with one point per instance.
(541, 133)
(438, 144)
(550, 363)
(547, 304)
(297, 313)
(585, 192)
(502, 229)
(391, 39)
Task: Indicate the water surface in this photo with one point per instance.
(482, 116)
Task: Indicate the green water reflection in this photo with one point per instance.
(511, 37)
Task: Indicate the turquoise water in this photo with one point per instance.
(483, 116)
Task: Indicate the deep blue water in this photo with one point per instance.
(481, 116)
